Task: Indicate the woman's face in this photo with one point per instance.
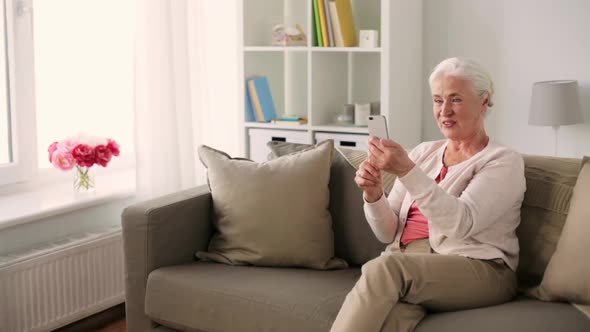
(458, 110)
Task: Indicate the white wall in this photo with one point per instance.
(519, 42)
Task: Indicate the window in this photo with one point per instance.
(17, 117)
(84, 71)
(74, 76)
(6, 142)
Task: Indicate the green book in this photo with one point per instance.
(317, 24)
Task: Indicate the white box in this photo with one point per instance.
(259, 137)
(368, 38)
(348, 141)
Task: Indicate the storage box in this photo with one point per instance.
(259, 137)
(349, 141)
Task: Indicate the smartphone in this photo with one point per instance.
(378, 126)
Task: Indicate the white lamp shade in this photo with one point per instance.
(555, 103)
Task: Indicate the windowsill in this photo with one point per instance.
(58, 197)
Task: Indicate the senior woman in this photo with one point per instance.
(450, 218)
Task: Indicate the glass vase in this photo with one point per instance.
(84, 180)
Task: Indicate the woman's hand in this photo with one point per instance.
(389, 156)
(369, 179)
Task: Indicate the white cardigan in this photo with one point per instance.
(473, 212)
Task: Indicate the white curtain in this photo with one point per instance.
(169, 95)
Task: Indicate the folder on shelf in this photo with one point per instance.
(257, 110)
(316, 24)
(322, 12)
(328, 23)
(346, 22)
(262, 102)
(335, 24)
(250, 116)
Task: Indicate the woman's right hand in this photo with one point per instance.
(369, 179)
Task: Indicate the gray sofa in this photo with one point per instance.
(168, 290)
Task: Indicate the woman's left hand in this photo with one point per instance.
(389, 156)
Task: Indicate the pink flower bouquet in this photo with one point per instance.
(82, 152)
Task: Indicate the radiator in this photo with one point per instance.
(54, 284)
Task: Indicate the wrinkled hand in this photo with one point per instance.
(389, 156)
(369, 179)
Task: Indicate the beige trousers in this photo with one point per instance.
(396, 288)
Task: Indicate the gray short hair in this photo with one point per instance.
(468, 69)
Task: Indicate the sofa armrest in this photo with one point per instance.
(161, 232)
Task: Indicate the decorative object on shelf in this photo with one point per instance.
(347, 115)
(288, 35)
(555, 103)
(82, 152)
(368, 38)
(361, 112)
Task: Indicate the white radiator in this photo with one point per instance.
(57, 283)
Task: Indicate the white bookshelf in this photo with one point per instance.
(316, 82)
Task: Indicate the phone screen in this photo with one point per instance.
(378, 126)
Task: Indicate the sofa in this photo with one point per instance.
(168, 289)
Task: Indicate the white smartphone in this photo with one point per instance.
(378, 126)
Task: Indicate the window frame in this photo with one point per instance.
(21, 96)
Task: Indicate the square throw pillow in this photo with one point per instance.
(550, 183)
(353, 239)
(567, 277)
(273, 213)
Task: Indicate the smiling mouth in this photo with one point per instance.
(448, 124)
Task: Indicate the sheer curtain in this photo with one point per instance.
(169, 95)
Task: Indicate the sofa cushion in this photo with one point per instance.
(274, 213)
(216, 297)
(353, 239)
(584, 308)
(550, 182)
(521, 315)
(567, 277)
(206, 296)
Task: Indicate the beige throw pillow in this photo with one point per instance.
(273, 213)
(550, 184)
(354, 240)
(567, 277)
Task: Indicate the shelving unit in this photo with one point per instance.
(316, 82)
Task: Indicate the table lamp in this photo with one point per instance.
(555, 103)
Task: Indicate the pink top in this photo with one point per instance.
(417, 224)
